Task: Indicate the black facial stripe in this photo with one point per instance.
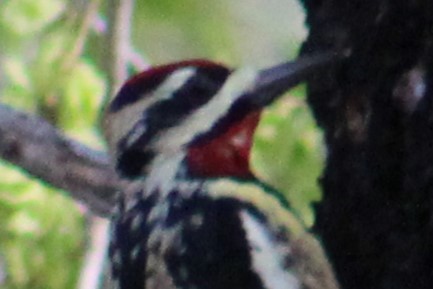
(129, 94)
(130, 164)
(276, 194)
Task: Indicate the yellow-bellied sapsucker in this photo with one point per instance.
(194, 216)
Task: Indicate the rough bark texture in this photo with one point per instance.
(376, 110)
(40, 149)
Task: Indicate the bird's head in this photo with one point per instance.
(199, 109)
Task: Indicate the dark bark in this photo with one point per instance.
(376, 110)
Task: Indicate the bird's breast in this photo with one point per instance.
(198, 235)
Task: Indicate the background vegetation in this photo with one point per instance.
(52, 64)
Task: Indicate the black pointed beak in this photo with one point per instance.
(273, 82)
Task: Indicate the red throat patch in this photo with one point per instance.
(227, 154)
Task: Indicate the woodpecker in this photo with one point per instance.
(193, 215)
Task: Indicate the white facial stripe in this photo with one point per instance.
(267, 261)
(205, 117)
(176, 80)
(121, 122)
(163, 173)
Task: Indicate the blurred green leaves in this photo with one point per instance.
(26, 16)
(287, 153)
(42, 232)
(172, 30)
(48, 78)
(234, 32)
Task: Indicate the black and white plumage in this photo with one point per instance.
(193, 215)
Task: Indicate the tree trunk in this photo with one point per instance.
(376, 111)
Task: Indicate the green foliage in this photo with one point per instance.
(79, 107)
(21, 20)
(41, 234)
(233, 32)
(24, 17)
(183, 29)
(41, 231)
(286, 154)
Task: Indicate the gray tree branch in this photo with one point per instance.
(38, 148)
